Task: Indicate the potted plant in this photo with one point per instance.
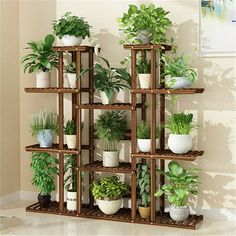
(144, 137)
(144, 73)
(70, 132)
(177, 72)
(108, 193)
(44, 168)
(44, 126)
(110, 128)
(143, 180)
(70, 70)
(180, 126)
(145, 25)
(41, 60)
(71, 29)
(181, 183)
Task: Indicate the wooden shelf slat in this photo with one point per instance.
(116, 106)
(168, 91)
(55, 90)
(147, 46)
(73, 48)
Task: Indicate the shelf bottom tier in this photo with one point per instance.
(123, 215)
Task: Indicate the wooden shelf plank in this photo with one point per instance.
(73, 48)
(147, 46)
(55, 90)
(116, 106)
(168, 91)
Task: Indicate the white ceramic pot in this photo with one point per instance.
(179, 213)
(43, 79)
(144, 36)
(72, 79)
(71, 200)
(110, 158)
(105, 99)
(178, 82)
(71, 141)
(71, 40)
(180, 143)
(109, 207)
(144, 81)
(144, 145)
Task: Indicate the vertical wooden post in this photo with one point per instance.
(143, 96)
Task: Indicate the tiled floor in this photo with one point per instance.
(15, 221)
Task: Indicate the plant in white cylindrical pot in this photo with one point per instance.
(180, 126)
(70, 132)
(144, 137)
(71, 29)
(108, 193)
(181, 184)
(144, 73)
(70, 70)
(41, 60)
(110, 128)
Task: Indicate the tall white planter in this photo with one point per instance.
(71, 200)
(144, 81)
(110, 158)
(178, 82)
(144, 145)
(105, 99)
(71, 141)
(180, 143)
(179, 213)
(43, 79)
(71, 40)
(72, 79)
(109, 207)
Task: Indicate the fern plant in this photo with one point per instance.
(70, 128)
(143, 66)
(144, 131)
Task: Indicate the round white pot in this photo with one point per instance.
(179, 213)
(71, 141)
(144, 81)
(144, 145)
(109, 207)
(72, 79)
(178, 82)
(71, 200)
(105, 99)
(43, 79)
(110, 158)
(180, 143)
(71, 40)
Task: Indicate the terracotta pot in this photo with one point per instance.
(144, 212)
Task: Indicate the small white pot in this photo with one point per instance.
(110, 158)
(43, 79)
(105, 99)
(178, 82)
(109, 207)
(71, 40)
(179, 213)
(72, 79)
(180, 143)
(71, 141)
(144, 81)
(144, 36)
(71, 200)
(144, 145)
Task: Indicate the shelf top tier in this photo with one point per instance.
(73, 48)
(147, 46)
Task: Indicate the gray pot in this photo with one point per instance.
(144, 36)
(45, 138)
(178, 82)
(179, 213)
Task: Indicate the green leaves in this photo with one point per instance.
(175, 168)
(70, 128)
(143, 66)
(144, 131)
(71, 68)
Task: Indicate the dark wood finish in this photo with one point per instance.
(139, 47)
(168, 91)
(55, 90)
(73, 48)
(116, 106)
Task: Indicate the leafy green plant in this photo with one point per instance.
(70, 128)
(148, 18)
(44, 120)
(110, 128)
(71, 25)
(181, 183)
(143, 66)
(180, 123)
(143, 180)
(144, 131)
(109, 188)
(42, 58)
(45, 168)
(71, 68)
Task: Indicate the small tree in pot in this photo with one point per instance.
(181, 184)
(144, 73)
(70, 132)
(108, 193)
(110, 128)
(71, 74)
(44, 168)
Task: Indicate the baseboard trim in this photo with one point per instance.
(9, 198)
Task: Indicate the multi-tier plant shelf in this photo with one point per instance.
(156, 157)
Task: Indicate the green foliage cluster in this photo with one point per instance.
(181, 184)
(111, 127)
(180, 123)
(42, 58)
(109, 188)
(143, 180)
(143, 66)
(71, 68)
(70, 128)
(71, 25)
(45, 168)
(44, 120)
(144, 131)
(148, 18)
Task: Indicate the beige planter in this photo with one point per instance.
(72, 79)
(71, 141)
(109, 207)
(43, 79)
(145, 81)
(144, 212)
(110, 158)
(105, 99)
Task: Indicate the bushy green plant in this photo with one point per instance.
(180, 123)
(42, 58)
(45, 168)
(143, 180)
(110, 128)
(144, 131)
(143, 66)
(71, 25)
(70, 128)
(109, 188)
(181, 183)
(148, 18)
(44, 120)
(71, 68)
